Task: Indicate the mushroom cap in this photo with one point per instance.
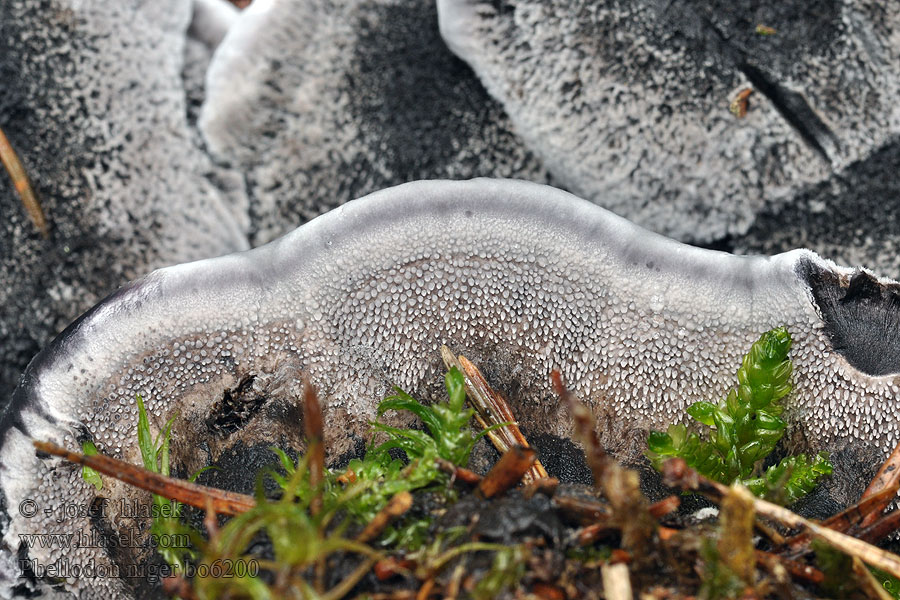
(94, 105)
(348, 97)
(629, 102)
(519, 277)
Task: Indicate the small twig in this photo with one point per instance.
(313, 426)
(797, 569)
(458, 473)
(16, 171)
(581, 510)
(666, 533)
(192, 494)
(880, 529)
(396, 507)
(481, 404)
(591, 533)
(388, 567)
(348, 583)
(596, 456)
(616, 582)
(887, 477)
(676, 473)
(770, 532)
(621, 486)
(667, 505)
(544, 485)
(456, 578)
(210, 521)
(867, 582)
(491, 409)
(508, 471)
(425, 589)
(855, 516)
(547, 591)
(850, 519)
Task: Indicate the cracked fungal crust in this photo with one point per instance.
(627, 102)
(521, 278)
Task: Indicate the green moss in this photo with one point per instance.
(175, 541)
(88, 474)
(745, 427)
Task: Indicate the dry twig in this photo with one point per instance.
(313, 425)
(396, 507)
(676, 473)
(508, 471)
(16, 171)
(192, 494)
(887, 477)
(491, 409)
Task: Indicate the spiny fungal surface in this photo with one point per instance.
(519, 277)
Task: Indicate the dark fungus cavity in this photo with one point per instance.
(520, 277)
(861, 315)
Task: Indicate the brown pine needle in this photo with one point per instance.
(881, 528)
(16, 171)
(490, 409)
(508, 471)
(851, 518)
(313, 425)
(856, 515)
(458, 473)
(676, 473)
(396, 507)
(887, 477)
(192, 494)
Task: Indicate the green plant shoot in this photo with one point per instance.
(378, 476)
(178, 539)
(448, 436)
(88, 474)
(744, 429)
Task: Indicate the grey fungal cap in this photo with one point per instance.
(519, 277)
(627, 104)
(94, 103)
(348, 97)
